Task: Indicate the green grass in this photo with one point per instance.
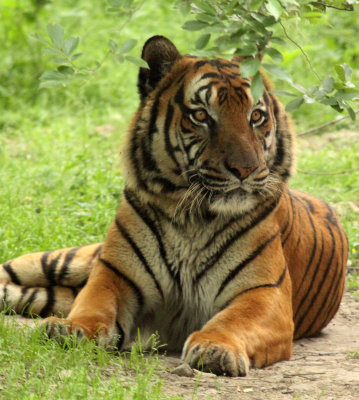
(61, 181)
(43, 369)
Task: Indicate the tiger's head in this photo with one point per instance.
(198, 141)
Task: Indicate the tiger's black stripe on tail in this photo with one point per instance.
(12, 274)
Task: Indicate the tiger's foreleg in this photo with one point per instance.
(103, 311)
(255, 329)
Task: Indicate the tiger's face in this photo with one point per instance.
(198, 137)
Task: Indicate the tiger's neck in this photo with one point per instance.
(188, 220)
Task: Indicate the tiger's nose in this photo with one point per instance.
(241, 172)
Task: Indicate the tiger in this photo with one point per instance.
(209, 247)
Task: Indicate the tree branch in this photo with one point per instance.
(301, 49)
(329, 123)
(346, 171)
(320, 3)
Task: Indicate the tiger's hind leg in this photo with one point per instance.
(46, 283)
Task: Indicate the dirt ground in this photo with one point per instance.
(321, 368)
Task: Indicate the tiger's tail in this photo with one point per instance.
(46, 283)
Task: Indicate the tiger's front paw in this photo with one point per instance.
(59, 329)
(219, 355)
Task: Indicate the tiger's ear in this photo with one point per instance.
(160, 54)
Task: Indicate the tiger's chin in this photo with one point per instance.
(236, 202)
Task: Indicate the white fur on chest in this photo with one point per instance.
(190, 298)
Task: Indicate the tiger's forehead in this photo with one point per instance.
(216, 80)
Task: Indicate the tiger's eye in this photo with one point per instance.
(200, 115)
(256, 115)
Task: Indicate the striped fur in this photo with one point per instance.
(209, 247)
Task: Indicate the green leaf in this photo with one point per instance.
(127, 46)
(250, 66)
(347, 94)
(278, 72)
(351, 113)
(137, 61)
(56, 33)
(294, 104)
(52, 51)
(275, 54)
(52, 76)
(71, 44)
(298, 87)
(76, 56)
(328, 84)
(274, 8)
(205, 6)
(194, 25)
(112, 45)
(340, 72)
(202, 41)
(329, 101)
(41, 39)
(257, 87)
(47, 84)
(66, 70)
(347, 71)
(249, 50)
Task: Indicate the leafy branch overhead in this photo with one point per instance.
(65, 56)
(253, 29)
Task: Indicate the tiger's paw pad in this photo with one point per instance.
(215, 357)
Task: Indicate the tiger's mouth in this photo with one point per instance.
(223, 189)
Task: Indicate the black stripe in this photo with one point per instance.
(314, 248)
(74, 291)
(138, 253)
(65, 265)
(24, 291)
(215, 257)
(96, 252)
(121, 336)
(245, 262)
(319, 288)
(49, 269)
(141, 212)
(46, 310)
(137, 292)
(32, 298)
(12, 274)
(292, 224)
(338, 279)
(167, 186)
(167, 126)
(265, 285)
(310, 287)
(148, 161)
(210, 75)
